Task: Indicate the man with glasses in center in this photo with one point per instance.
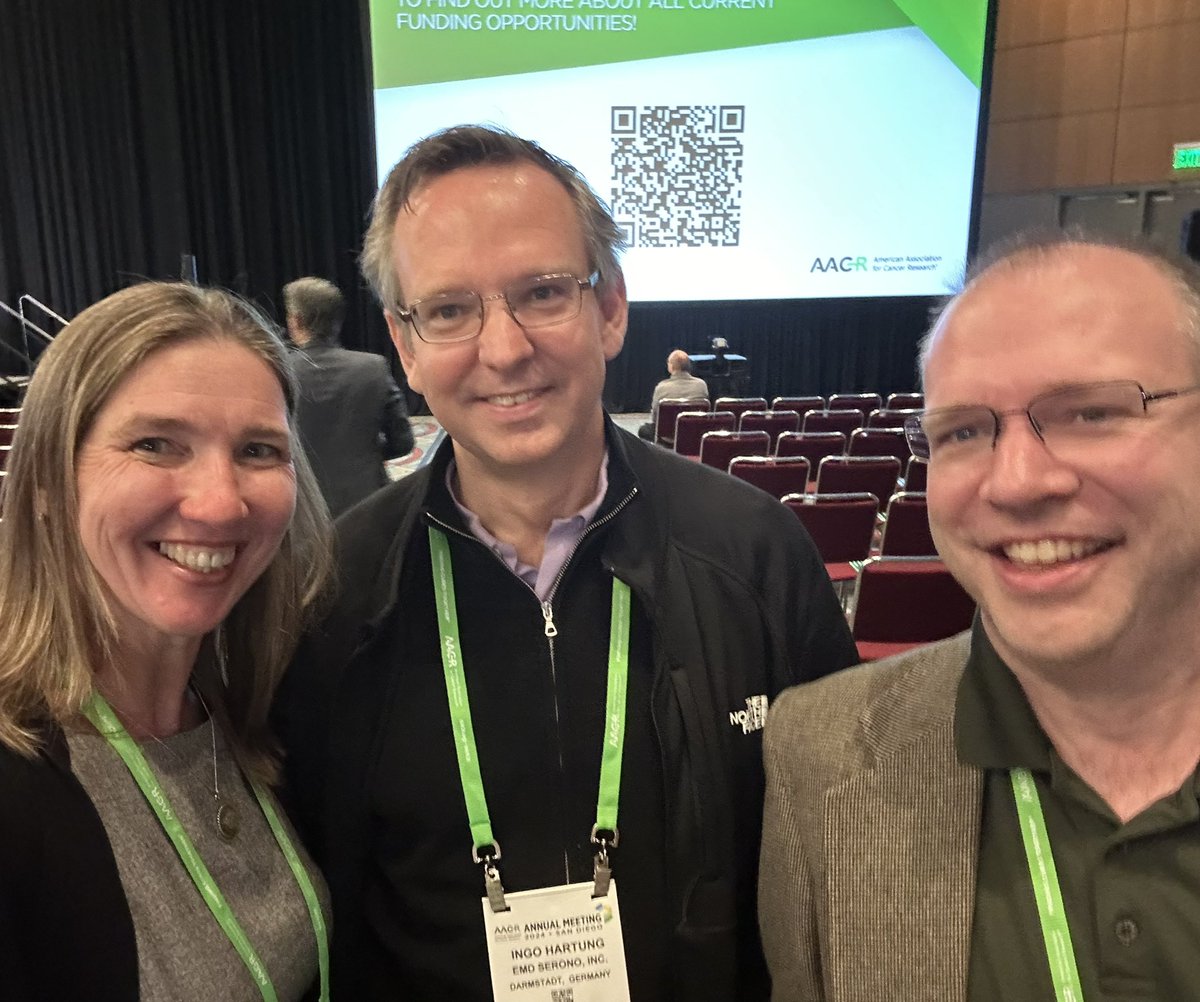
(525, 745)
(1012, 813)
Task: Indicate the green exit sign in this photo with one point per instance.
(1187, 156)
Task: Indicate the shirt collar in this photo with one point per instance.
(564, 533)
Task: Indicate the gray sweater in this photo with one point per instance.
(182, 953)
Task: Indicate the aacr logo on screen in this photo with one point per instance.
(903, 262)
(824, 264)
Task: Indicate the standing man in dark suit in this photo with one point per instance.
(351, 412)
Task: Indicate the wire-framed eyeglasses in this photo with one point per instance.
(1075, 416)
(540, 301)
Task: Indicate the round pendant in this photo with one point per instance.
(228, 822)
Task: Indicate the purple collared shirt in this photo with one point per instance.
(560, 540)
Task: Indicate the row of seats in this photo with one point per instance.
(718, 446)
(844, 526)
(888, 439)
(837, 401)
(780, 475)
(841, 412)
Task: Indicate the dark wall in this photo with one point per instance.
(135, 131)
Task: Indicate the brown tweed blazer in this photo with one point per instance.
(871, 835)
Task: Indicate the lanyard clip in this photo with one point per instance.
(602, 873)
(487, 855)
(602, 870)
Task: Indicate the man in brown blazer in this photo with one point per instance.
(1014, 813)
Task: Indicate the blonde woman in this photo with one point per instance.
(162, 541)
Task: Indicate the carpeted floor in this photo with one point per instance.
(425, 431)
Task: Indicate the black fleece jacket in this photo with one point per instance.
(731, 605)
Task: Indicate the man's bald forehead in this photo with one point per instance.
(1072, 257)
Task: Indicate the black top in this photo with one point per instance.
(65, 927)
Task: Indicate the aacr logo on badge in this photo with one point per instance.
(507, 933)
(557, 943)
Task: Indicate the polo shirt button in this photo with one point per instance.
(1127, 931)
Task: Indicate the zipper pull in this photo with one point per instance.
(548, 616)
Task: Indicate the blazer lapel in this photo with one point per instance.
(901, 841)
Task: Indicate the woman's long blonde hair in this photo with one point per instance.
(57, 625)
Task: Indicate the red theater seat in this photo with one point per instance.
(902, 602)
(778, 476)
(690, 429)
(719, 448)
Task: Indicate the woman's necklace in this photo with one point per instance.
(229, 821)
(104, 719)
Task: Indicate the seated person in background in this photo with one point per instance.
(680, 384)
(351, 412)
(1012, 813)
(550, 610)
(162, 542)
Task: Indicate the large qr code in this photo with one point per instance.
(677, 174)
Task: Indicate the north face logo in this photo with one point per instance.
(753, 717)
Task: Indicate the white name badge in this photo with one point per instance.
(557, 944)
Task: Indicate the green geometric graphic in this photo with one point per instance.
(430, 41)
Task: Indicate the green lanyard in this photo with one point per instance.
(1046, 891)
(105, 721)
(484, 844)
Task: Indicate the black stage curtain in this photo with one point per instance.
(797, 346)
(136, 131)
(239, 131)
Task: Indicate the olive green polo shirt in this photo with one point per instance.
(1131, 891)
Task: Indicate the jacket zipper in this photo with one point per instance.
(549, 629)
(551, 632)
(547, 609)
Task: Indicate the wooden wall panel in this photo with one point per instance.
(1144, 13)
(1073, 151)
(1058, 78)
(1066, 70)
(1029, 22)
(1161, 65)
(1145, 137)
